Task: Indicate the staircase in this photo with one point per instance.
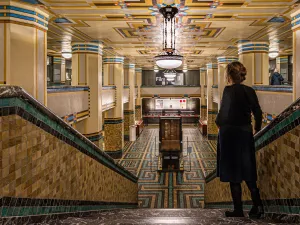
(157, 216)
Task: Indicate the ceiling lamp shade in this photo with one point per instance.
(170, 74)
(273, 54)
(168, 61)
(169, 58)
(170, 79)
(67, 55)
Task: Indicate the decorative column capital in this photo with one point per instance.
(113, 60)
(203, 69)
(87, 47)
(59, 60)
(212, 66)
(129, 66)
(282, 59)
(138, 70)
(295, 19)
(21, 13)
(227, 59)
(253, 47)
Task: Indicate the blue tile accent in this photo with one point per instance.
(273, 88)
(108, 87)
(66, 89)
(27, 18)
(21, 10)
(277, 20)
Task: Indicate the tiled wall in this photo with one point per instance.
(36, 164)
(278, 165)
(47, 167)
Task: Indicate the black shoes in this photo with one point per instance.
(235, 213)
(256, 212)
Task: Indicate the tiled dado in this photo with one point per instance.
(212, 129)
(38, 165)
(203, 115)
(96, 138)
(129, 119)
(113, 138)
(138, 112)
(46, 161)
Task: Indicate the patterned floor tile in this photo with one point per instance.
(170, 190)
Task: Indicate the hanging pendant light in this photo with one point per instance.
(170, 75)
(169, 58)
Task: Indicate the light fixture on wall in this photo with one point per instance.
(156, 70)
(169, 58)
(66, 55)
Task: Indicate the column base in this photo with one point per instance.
(96, 138)
(212, 137)
(203, 112)
(138, 112)
(212, 129)
(129, 119)
(114, 137)
(115, 154)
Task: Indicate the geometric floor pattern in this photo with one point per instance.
(170, 189)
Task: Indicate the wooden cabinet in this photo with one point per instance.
(139, 128)
(203, 127)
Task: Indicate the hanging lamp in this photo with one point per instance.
(169, 58)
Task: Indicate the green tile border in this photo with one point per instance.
(99, 154)
(46, 210)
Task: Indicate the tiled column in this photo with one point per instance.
(212, 109)
(23, 51)
(282, 65)
(59, 64)
(113, 122)
(222, 63)
(254, 56)
(129, 111)
(88, 58)
(203, 104)
(296, 53)
(138, 105)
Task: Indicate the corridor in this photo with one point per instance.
(170, 189)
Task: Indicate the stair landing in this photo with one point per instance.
(158, 216)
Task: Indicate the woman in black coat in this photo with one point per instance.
(236, 152)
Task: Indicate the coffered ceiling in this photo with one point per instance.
(206, 29)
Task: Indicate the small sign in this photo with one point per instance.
(189, 150)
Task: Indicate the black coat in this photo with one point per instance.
(276, 79)
(236, 152)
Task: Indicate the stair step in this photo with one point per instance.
(158, 216)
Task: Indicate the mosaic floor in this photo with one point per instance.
(170, 190)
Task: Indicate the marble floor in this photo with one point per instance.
(170, 190)
(157, 216)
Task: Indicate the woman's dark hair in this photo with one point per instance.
(236, 71)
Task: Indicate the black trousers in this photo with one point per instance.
(236, 193)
